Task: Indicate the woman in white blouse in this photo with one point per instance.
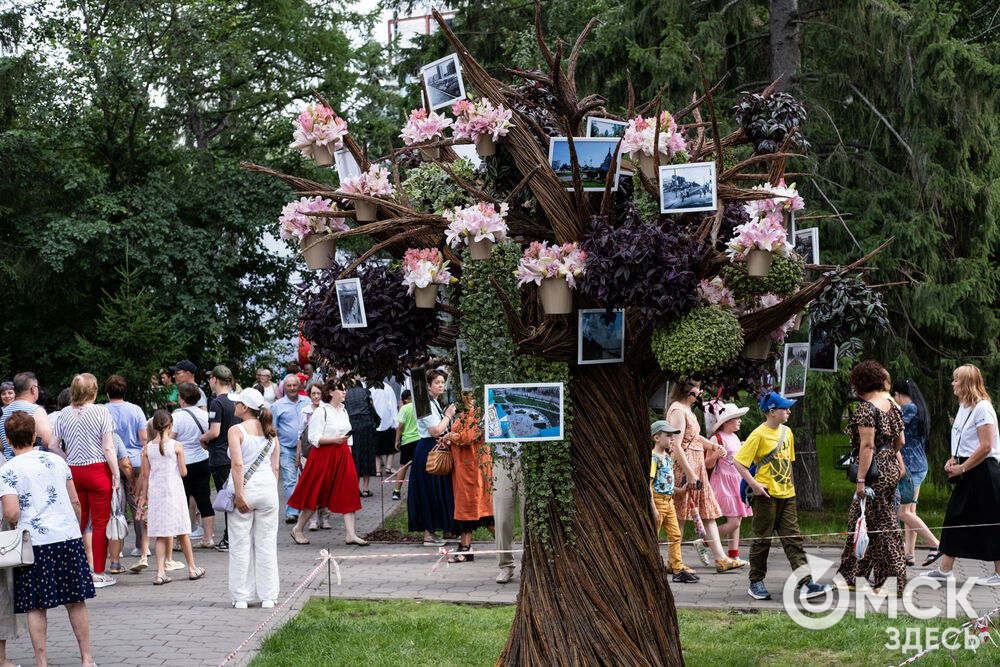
(329, 478)
(974, 468)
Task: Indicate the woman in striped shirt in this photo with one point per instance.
(85, 429)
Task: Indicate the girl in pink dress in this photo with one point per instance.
(163, 495)
(724, 477)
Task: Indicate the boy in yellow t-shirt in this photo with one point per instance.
(771, 447)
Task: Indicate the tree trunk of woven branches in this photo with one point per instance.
(805, 468)
(603, 600)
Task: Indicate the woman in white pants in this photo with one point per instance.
(253, 527)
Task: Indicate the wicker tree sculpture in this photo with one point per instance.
(595, 591)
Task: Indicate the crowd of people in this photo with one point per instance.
(693, 477)
(76, 464)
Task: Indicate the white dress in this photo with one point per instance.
(168, 512)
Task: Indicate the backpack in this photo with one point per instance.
(746, 493)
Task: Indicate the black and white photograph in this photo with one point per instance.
(347, 166)
(822, 353)
(601, 336)
(595, 156)
(443, 79)
(795, 369)
(605, 127)
(352, 304)
(659, 399)
(461, 355)
(807, 244)
(687, 188)
(790, 232)
(524, 412)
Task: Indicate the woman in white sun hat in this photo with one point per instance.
(724, 477)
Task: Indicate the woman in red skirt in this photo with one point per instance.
(329, 478)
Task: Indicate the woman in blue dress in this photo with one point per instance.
(430, 498)
(918, 426)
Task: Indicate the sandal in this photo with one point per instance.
(463, 557)
(159, 581)
(359, 542)
(910, 562)
(367, 494)
(297, 540)
(116, 568)
(196, 573)
(932, 557)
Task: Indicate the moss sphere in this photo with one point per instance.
(702, 340)
(782, 280)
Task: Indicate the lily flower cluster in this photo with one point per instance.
(372, 183)
(318, 125)
(541, 260)
(422, 126)
(423, 267)
(295, 223)
(479, 118)
(476, 223)
(638, 137)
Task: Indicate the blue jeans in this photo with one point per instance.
(289, 476)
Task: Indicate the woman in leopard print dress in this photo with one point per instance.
(876, 431)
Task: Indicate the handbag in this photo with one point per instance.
(906, 489)
(225, 499)
(117, 524)
(873, 472)
(440, 461)
(15, 548)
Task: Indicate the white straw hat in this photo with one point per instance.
(728, 411)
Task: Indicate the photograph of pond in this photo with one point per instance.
(524, 412)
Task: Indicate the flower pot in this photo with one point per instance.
(648, 166)
(759, 263)
(480, 249)
(323, 155)
(557, 297)
(485, 145)
(318, 250)
(426, 297)
(430, 153)
(757, 349)
(366, 211)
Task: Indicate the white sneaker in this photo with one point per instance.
(505, 575)
(267, 604)
(104, 580)
(992, 580)
(173, 565)
(936, 573)
(240, 604)
(197, 531)
(134, 553)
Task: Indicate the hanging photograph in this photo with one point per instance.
(794, 369)
(352, 304)
(601, 337)
(790, 232)
(595, 157)
(461, 356)
(687, 188)
(524, 412)
(659, 400)
(807, 244)
(822, 354)
(347, 166)
(605, 127)
(443, 79)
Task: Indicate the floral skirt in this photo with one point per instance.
(60, 575)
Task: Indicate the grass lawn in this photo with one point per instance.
(396, 521)
(407, 632)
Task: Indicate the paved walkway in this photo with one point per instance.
(193, 623)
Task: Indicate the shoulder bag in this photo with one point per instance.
(225, 499)
(873, 472)
(954, 452)
(746, 493)
(15, 548)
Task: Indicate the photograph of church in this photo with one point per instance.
(595, 156)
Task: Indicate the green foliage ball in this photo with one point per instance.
(431, 189)
(782, 280)
(705, 338)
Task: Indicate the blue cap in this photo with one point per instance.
(773, 399)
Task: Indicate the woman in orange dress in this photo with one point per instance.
(471, 478)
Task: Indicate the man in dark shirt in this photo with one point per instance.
(221, 415)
